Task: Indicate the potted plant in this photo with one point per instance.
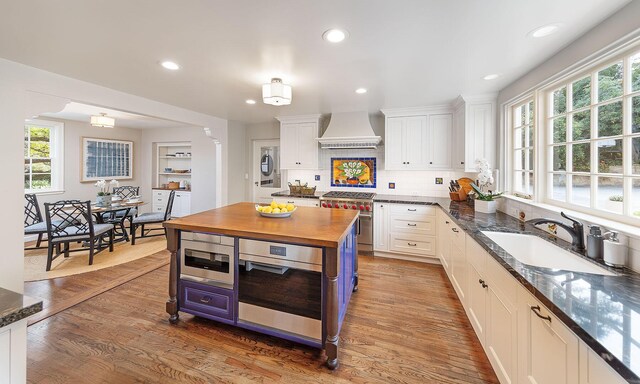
(485, 201)
(104, 196)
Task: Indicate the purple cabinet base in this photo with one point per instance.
(207, 301)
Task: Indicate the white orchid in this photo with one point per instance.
(485, 173)
(104, 187)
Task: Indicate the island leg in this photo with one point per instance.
(333, 307)
(172, 303)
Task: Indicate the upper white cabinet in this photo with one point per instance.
(298, 144)
(418, 138)
(474, 122)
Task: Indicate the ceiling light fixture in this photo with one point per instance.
(103, 121)
(170, 65)
(250, 101)
(361, 90)
(492, 76)
(545, 30)
(334, 35)
(276, 92)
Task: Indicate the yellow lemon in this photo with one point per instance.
(284, 210)
(276, 210)
(267, 209)
(274, 204)
(282, 206)
(290, 207)
(259, 208)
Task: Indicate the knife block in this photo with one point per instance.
(460, 195)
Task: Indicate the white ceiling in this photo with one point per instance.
(405, 52)
(83, 112)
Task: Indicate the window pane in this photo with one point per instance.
(610, 119)
(529, 134)
(610, 82)
(41, 166)
(524, 182)
(27, 165)
(41, 181)
(560, 158)
(610, 156)
(635, 73)
(560, 130)
(518, 138)
(635, 114)
(27, 183)
(610, 194)
(39, 149)
(581, 190)
(582, 125)
(582, 157)
(518, 160)
(560, 101)
(635, 156)
(530, 106)
(635, 198)
(582, 93)
(559, 187)
(529, 162)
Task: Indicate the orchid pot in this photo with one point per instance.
(484, 206)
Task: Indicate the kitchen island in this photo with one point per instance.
(287, 277)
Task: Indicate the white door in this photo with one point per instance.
(440, 130)
(267, 177)
(380, 227)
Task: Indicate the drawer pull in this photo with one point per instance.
(290, 202)
(411, 210)
(205, 299)
(482, 283)
(536, 310)
(455, 230)
(412, 244)
(412, 225)
(446, 222)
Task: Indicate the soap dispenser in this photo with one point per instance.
(595, 243)
(615, 252)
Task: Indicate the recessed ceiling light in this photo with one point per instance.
(545, 30)
(491, 76)
(249, 101)
(361, 90)
(170, 65)
(334, 35)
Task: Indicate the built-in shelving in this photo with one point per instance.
(173, 156)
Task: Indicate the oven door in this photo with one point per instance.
(282, 295)
(207, 263)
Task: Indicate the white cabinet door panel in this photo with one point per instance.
(501, 336)
(416, 142)
(414, 244)
(5, 356)
(381, 227)
(394, 150)
(403, 224)
(288, 146)
(440, 132)
(307, 146)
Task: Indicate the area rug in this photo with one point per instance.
(35, 261)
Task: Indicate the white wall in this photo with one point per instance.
(26, 92)
(73, 133)
(237, 158)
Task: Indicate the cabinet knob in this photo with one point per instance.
(462, 162)
(412, 225)
(446, 222)
(431, 162)
(412, 244)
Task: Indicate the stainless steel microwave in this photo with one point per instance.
(207, 258)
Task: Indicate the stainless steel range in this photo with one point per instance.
(360, 201)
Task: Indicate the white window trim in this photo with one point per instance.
(57, 163)
(510, 144)
(625, 46)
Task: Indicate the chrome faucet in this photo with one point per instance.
(576, 230)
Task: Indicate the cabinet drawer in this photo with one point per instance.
(457, 235)
(207, 238)
(406, 224)
(158, 208)
(305, 202)
(416, 244)
(160, 193)
(413, 210)
(209, 300)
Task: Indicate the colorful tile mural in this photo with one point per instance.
(357, 172)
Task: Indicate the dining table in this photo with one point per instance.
(116, 214)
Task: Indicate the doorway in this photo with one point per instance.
(267, 176)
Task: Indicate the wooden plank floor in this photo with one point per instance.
(404, 325)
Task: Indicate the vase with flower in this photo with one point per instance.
(104, 195)
(485, 199)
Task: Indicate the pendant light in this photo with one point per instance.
(276, 93)
(103, 121)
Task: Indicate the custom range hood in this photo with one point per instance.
(349, 130)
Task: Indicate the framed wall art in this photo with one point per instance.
(106, 159)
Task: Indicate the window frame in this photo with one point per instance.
(511, 143)
(56, 154)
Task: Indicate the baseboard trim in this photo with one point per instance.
(404, 256)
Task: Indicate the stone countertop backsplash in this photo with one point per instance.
(604, 311)
(15, 307)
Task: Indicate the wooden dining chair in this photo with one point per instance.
(70, 221)
(152, 218)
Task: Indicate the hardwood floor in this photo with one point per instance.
(404, 325)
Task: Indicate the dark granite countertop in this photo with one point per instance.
(603, 311)
(297, 196)
(15, 307)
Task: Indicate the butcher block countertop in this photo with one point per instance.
(307, 225)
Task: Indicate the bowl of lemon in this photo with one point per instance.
(275, 210)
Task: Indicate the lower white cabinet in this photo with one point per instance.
(301, 202)
(406, 231)
(181, 202)
(443, 243)
(594, 370)
(458, 275)
(13, 353)
(381, 227)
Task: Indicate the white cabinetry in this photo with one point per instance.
(443, 244)
(299, 202)
(13, 353)
(459, 267)
(406, 231)
(593, 370)
(474, 131)
(181, 202)
(298, 144)
(418, 138)
(173, 162)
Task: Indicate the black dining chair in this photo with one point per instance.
(70, 221)
(127, 192)
(34, 224)
(152, 218)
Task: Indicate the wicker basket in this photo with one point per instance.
(173, 185)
